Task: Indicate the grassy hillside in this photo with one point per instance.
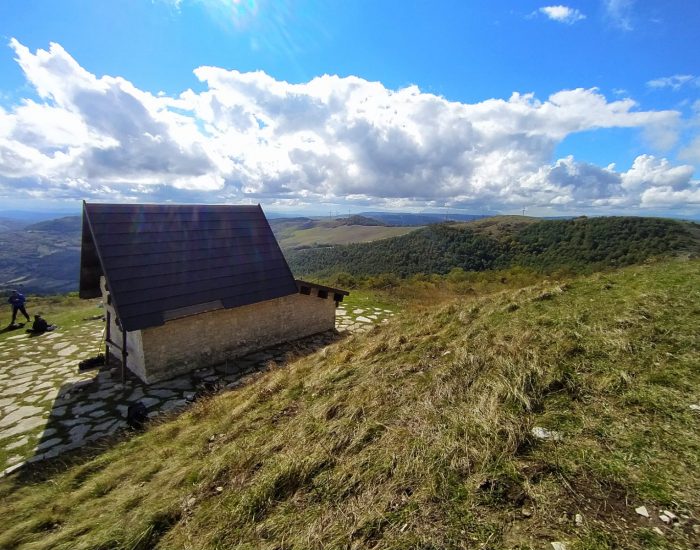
(582, 245)
(307, 232)
(419, 434)
(345, 234)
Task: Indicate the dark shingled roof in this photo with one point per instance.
(167, 261)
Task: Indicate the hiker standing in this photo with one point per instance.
(17, 300)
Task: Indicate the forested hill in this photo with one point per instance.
(581, 245)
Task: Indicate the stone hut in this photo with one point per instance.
(188, 286)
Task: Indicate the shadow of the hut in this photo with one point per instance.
(82, 412)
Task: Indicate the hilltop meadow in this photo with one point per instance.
(426, 432)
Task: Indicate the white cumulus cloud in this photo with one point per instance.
(248, 137)
(562, 14)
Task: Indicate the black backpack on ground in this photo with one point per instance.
(136, 415)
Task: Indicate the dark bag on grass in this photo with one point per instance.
(136, 415)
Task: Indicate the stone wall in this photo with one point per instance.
(182, 345)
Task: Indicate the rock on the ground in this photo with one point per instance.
(670, 515)
(642, 511)
(548, 435)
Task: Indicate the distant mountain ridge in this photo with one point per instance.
(41, 258)
(68, 224)
(417, 219)
(44, 257)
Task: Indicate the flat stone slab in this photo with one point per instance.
(136, 394)
(149, 401)
(21, 442)
(27, 369)
(175, 384)
(88, 407)
(44, 445)
(77, 433)
(106, 425)
(23, 426)
(19, 414)
(58, 411)
(163, 394)
(16, 390)
(70, 350)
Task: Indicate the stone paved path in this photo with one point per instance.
(359, 319)
(48, 407)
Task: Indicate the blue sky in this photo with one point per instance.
(581, 107)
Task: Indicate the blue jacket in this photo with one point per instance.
(17, 300)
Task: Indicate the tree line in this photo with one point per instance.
(579, 245)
